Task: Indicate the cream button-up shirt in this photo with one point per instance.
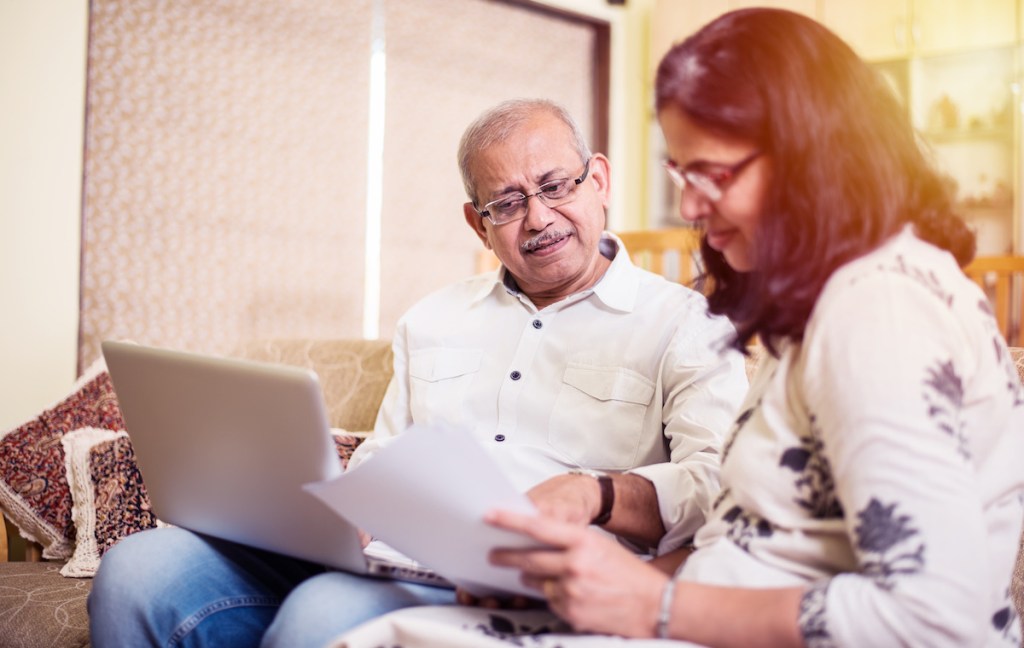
(629, 375)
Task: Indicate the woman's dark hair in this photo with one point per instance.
(847, 168)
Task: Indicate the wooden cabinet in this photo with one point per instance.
(941, 26)
(885, 29)
(956, 64)
(965, 104)
(876, 29)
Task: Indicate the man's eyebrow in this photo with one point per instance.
(553, 174)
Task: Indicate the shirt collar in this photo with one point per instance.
(617, 288)
(620, 283)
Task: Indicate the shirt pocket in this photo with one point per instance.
(439, 382)
(599, 414)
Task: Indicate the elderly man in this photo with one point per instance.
(566, 361)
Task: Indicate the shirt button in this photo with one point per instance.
(537, 324)
(499, 437)
(515, 375)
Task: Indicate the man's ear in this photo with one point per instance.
(476, 222)
(600, 175)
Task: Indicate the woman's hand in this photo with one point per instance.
(588, 579)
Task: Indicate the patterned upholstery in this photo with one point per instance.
(39, 608)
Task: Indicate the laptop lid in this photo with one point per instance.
(224, 446)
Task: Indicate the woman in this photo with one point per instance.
(871, 485)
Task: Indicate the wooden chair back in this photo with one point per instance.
(673, 253)
(1002, 279)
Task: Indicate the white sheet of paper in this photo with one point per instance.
(425, 494)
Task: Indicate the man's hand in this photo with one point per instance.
(364, 538)
(571, 498)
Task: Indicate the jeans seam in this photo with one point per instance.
(193, 620)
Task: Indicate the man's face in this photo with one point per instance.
(553, 251)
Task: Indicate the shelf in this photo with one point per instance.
(1004, 135)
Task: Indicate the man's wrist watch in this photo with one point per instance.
(607, 487)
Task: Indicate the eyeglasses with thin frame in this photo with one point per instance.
(711, 180)
(512, 207)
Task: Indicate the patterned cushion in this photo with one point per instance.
(34, 491)
(110, 500)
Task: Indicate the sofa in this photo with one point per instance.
(78, 445)
(69, 485)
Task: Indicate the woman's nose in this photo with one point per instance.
(693, 205)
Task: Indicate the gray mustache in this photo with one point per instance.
(543, 239)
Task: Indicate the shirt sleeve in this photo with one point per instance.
(703, 386)
(883, 373)
(394, 415)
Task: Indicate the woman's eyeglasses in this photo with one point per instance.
(711, 180)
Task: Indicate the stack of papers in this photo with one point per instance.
(425, 494)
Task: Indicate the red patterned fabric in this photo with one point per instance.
(34, 491)
(346, 444)
(120, 498)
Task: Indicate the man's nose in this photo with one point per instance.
(538, 215)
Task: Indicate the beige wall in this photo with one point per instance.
(42, 82)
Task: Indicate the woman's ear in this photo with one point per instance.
(476, 223)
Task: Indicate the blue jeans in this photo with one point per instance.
(172, 587)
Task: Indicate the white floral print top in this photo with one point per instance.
(881, 460)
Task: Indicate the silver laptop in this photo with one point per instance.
(224, 447)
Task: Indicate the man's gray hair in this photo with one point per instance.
(497, 124)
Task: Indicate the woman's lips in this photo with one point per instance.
(719, 239)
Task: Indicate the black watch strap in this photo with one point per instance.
(607, 500)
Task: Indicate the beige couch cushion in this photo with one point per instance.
(353, 373)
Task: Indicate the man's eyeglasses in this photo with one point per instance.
(512, 207)
(711, 180)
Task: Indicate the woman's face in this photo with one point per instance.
(724, 187)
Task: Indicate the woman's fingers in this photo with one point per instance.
(549, 531)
